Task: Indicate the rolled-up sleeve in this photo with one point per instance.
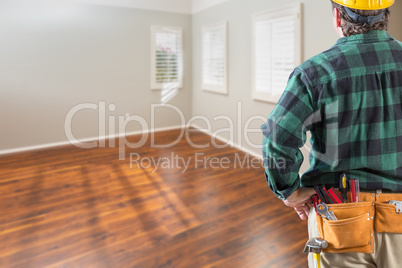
(284, 134)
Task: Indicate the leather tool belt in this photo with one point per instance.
(354, 229)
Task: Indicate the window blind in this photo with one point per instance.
(276, 52)
(167, 57)
(214, 58)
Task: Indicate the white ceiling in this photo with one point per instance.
(180, 6)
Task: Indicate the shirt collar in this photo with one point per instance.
(371, 36)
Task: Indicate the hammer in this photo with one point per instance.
(315, 245)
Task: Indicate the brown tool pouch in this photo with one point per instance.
(387, 220)
(354, 229)
(352, 232)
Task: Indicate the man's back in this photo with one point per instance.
(356, 84)
(350, 99)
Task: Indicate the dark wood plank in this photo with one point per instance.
(73, 207)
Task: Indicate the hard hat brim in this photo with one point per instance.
(365, 4)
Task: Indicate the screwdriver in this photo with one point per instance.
(343, 187)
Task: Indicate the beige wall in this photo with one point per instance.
(54, 57)
(395, 28)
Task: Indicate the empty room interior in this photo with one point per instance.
(131, 130)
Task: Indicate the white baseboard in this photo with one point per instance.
(233, 144)
(63, 143)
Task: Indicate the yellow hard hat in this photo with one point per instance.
(366, 4)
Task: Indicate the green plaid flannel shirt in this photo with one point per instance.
(350, 99)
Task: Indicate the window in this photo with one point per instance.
(214, 55)
(166, 57)
(276, 50)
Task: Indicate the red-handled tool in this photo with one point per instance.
(352, 187)
(329, 196)
(335, 196)
(325, 195)
(319, 194)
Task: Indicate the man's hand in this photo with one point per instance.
(299, 200)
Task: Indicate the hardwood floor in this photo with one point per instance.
(73, 207)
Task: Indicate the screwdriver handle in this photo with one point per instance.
(343, 187)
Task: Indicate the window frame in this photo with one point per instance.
(213, 87)
(163, 29)
(295, 11)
